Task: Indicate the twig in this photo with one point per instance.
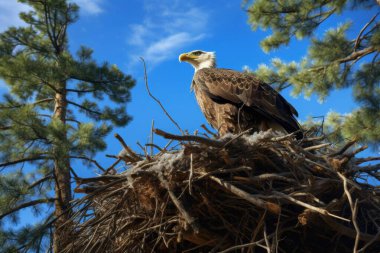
(317, 146)
(199, 139)
(209, 131)
(346, 231)
(268, 247)
(189, 219)
(90, 160)
(359, 39)
(374, 239)
(143, 149)
(271, 207)
(127, 149)
(314, 208)
(237, 137)
(354, 209)
(367, 159)
(267, 177)
(154, 146)
(151, 138)
(113, 165)
(191, 174)
(158, 101)
(356, 151)
(242, 246)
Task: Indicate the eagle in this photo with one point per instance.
(234, 101)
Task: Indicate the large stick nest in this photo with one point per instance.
(246, 193)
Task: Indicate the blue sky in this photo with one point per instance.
(121, 31)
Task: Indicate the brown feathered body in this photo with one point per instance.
(233, 102)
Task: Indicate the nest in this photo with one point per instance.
(244, 193)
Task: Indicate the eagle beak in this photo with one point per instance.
(186, 57)
(183, 57)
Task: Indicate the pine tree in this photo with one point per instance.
(42, 121)
(334, 61)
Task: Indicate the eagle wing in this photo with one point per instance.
(229, 86)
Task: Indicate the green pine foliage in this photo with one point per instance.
(52, 115)
(335, 60)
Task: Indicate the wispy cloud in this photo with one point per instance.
(9, 13)
(10, 10)
(167, 27)
(90, 6)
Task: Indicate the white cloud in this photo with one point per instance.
(90, 6)
(168, 46)
(10, 10)
(167, 27)
(9, 13)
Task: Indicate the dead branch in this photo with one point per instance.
(158, 101)
(199, 139)
(132, 154)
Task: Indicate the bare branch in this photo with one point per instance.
(90, 160)
(127, 149)
(158, 101)
(271, 207)
(206, 141)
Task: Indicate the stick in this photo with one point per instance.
(129, 151)
(158, 101)
(237, 137)
(317, 146)
(354, 210)
(191, 174)
(113, 165)
(271, 207)
(199, 139)
(314, 208)
(209, 131)
(344, 148)
(151, 138)
(367, 159)
(189, 219)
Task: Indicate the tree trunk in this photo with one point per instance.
(63, 196)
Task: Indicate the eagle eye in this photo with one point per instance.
(197, 53)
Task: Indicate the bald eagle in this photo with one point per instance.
(233, 101)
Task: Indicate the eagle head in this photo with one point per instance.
(199, 59)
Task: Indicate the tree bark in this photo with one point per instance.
(62, 231)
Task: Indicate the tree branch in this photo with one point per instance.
(27, 204)
(26, 159)
(354, 56)
(84, 108)
(40, 181)
(90, 160)
(33, 104)
(357, 55)
(80, 91)
(359, 39)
